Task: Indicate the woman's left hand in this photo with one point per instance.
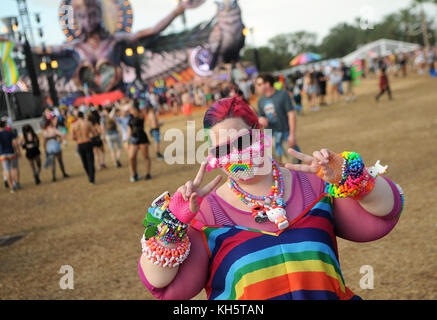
(313, 164)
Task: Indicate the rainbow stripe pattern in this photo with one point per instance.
(237, 167)
(300, 262)
(8, 64)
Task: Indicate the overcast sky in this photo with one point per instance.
(268, 17)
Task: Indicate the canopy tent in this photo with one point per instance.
(100, 99)
(305, 58)
(379, 48)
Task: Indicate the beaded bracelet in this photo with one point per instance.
(171, 231)
(356, 182)
(161, 224)
(165, 257)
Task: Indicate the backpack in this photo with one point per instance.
(110, 124)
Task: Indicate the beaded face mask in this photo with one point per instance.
(241, 157)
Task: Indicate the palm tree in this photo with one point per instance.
(435, 3)
(423, 18)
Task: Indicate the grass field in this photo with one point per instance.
(97, 230)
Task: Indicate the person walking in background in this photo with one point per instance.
(208, 95)
(110, 129)
(82, 131)
(321, 84)
(384, 85)
(153, 99)
(172, 100)
(347, 79)
(277, 113)
(122, 116)
(187, 105)
(155, 124)
(296, 90)
(96, 140)
(311, 90)
(52, 147)
(419, 62)
(138, 141)
(403, 62)
(71, 118)
(61, 122)
(335, 79)
(9, 154)
(30, 143)
(430, 59)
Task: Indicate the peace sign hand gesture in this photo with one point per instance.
(326, 164)
(186, 201)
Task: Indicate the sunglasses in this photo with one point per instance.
(239, 143)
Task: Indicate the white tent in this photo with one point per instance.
(379, 48)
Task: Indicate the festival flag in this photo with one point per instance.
(10, 71)
(177, 76)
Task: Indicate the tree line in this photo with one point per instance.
(410, 24)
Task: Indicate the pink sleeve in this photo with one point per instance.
(192, 275)
(354, 223)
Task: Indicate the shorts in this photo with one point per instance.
(156, 135)
(97, 142)
(140, 139)
(113, 141)
(32, 153)
(9, 161)
(335, 82)
(312, 89)
(53, 147)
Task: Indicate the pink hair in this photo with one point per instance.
(234, 107)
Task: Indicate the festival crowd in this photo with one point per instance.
(120, 126)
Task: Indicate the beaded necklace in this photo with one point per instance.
(265, 208)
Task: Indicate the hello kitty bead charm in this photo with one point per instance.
(278, 216)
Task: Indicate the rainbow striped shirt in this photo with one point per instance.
(300, 262)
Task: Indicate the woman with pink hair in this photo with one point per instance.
(269, 232)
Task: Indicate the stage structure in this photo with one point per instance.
(102, 54)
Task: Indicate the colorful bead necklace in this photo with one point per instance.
(276, 191)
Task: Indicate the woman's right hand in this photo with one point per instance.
(191, 190)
